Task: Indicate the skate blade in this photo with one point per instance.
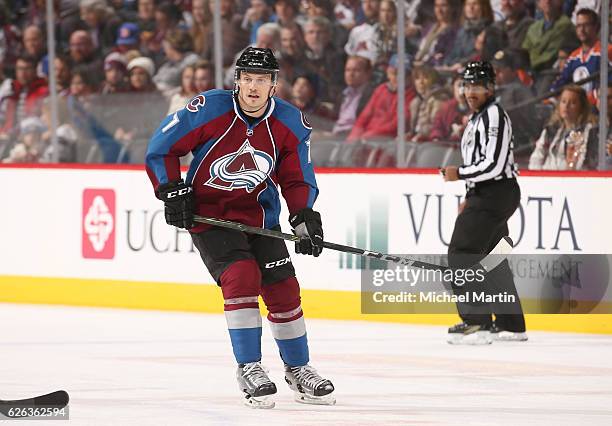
(476, 339)
(314, 400)
(259, 402)
(508, 336)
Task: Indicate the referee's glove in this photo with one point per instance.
(307, 225)
(179, 203)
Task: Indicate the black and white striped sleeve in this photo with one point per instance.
(495, 136)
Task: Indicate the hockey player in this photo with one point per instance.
(246, 143)
(493, 195)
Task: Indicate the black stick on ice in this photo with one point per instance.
(494, 258)
(58, 399)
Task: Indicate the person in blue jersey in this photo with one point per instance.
(246, 143)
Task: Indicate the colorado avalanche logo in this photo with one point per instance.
(244, 169)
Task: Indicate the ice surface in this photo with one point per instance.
(127, 367)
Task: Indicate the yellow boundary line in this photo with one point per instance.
(328, 304)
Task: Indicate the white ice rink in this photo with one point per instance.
(124, 367)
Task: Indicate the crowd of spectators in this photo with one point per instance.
(122, 65)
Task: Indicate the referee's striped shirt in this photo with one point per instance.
(486, 147)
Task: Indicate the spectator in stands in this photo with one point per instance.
(287, 12)
(24, 96)
(167, 18)
(83, 54)
(268, 37)
(201, 28)
(477, 15)
(510, 93)
(204, 76)
(258, 14)
(11, 46)
(141, 71)
(185, 92)
(569, 141)
(516, 22)
(67, 139)
(82, 84)
(385, 33)
(82, 110)
(450, 121)
(140, 123)
(30, 145)
(348, 13)
(63, 75)
(361, 38)
(438, 41)
(305, 97)
(178, 48)
(102, 23)
(233, 37)
(354, 97)
(427, 103)
(115, 74)
(125, 10)
(325, 8)
(34, 43)
(324, 59)
(584, 61)
(146, 19)
(543, 39)
(378, 120)
(292, 59)
(128, 37)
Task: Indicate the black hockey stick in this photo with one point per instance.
(21, 407)
(490, 261)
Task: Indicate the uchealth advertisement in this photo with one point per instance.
(107, 224)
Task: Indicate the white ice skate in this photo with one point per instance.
(465, 334)
(309, 387)
(501, 335)
(256, 385)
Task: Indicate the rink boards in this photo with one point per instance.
(97, 237)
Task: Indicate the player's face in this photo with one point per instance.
(254, 90)
(476, 95)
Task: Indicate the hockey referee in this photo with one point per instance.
(492, 196)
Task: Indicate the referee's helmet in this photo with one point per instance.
(479, 72)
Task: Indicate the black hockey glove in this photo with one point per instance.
(179, 203)
(307, 224)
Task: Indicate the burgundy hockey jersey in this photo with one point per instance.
(237, 167)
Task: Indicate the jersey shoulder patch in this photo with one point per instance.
(292, 117)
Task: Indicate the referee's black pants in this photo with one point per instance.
(478, 228)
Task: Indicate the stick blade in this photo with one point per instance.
(499, 253)
(57, 399)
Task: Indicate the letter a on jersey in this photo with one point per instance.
(243, 169)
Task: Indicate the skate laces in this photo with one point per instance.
(256, 373)
(308, 375)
